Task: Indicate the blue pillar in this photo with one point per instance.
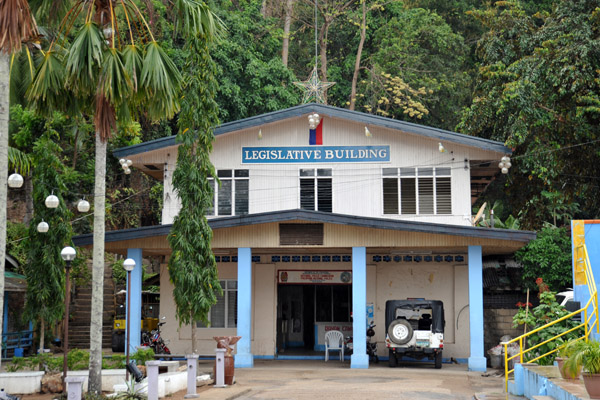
(477, 361)
(244, 357)
(135, 321)
(359, 358)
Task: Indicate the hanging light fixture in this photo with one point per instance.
(83, 206)
(125, 164)
(43, 227)
(15, 181)
(313, 120)
(259, 134)
(52, 201)
(504, 164)
(441, 148)
(367, 132)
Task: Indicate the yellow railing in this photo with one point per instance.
(582, 266)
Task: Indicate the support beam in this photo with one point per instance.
(136, 301)
(359, 358)
(477, 361)
(244, 357)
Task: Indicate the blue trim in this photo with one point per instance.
(359, 358)
(477, 361)
(317, 345)
(243, 358)
(5, 314)
(136, 301)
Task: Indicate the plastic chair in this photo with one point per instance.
(334, 340)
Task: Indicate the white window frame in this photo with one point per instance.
(315, 176)
(226, 290)
(216, 188)
(436, 173)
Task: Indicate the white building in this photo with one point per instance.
(306, 234)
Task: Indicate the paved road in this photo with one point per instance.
(311, 380)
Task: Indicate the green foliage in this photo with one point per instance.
(547, 311)
(45, 362)
(44, 301)
(15, 245)
(132, 393)
(548, 257)
(192, 266)
(17, 364)
(78, 360)
(586, 354)
(142, 355)
(115, 361)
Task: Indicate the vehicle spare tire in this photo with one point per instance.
(400, 331)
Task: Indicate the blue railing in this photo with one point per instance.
(16, 340)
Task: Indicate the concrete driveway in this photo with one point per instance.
(310, 380)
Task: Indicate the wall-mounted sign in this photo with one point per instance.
(291, 276)
(315, 154)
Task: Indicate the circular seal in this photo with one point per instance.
(346, 277)
(284, 276)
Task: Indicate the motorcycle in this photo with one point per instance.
(155, 341)
(371, 345)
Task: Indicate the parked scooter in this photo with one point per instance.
(155, 341)
(371, 345)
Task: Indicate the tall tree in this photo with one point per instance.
(44, 301)
(539, 91)
(192, 266)
(289, 7)
(16, 26)
(111, 72)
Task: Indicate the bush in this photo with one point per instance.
(142, 355)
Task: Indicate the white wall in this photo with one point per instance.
(357, 186)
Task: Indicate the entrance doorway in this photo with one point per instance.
(306, 311)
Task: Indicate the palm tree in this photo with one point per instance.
(16, 26)
(112, 70)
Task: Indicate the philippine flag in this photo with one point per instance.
(316, 135)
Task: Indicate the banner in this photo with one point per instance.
(314, 277)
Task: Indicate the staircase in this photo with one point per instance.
(81, 305)
(589, 313)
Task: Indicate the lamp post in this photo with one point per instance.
(128, 264)
(67, 254)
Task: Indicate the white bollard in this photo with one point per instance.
(192, 372)
(152, 374)
(220, 368)
(74, 387)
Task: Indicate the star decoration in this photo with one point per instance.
(313, 88)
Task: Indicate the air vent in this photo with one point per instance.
(300, 234)
(151, 167)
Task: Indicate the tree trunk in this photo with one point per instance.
(28, 200)
(4, 106)
(95, 380)
(42, 338)
(323, 53)
(193, 323)
(286, 31)
(363, 34)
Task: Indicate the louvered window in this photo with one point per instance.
(423, 191)
(316, 189)
(232, 195)
(224, 313)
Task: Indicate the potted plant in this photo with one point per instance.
(564, 353)
(586, 355)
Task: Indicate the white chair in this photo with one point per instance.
(334, 340)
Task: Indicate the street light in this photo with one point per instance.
(15, 181)
(67, 254)
(128, 264)
(52, 201)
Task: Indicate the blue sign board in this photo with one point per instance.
(315, 154)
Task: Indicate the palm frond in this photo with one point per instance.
(49, 11)
(160, 81)
(85, 60)
(115, 83)
(18, 161)
(17, 25)
(22, 71)
(195, 18)
(132, 58)
(46, 92)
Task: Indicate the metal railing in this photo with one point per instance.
(582, 264)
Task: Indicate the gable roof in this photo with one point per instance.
(325, 110)
(324, 217)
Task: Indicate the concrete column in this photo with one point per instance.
(220, 368)
(136, 301)
(152, 374)
(74, 387)
(192, 372)
(244, 357)
(359, 358)
(477, 361)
